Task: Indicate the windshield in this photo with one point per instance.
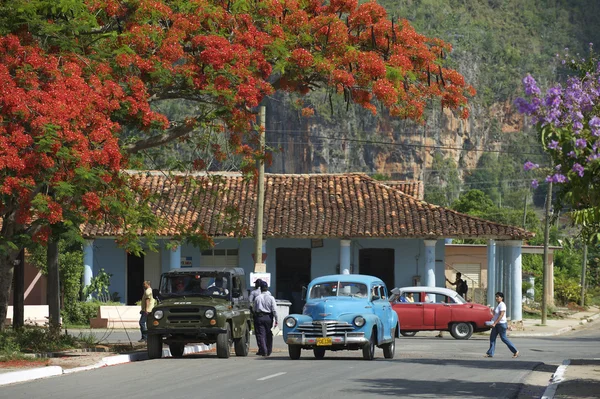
(196, 284)
(338, 288)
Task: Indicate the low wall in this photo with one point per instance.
(32, 314)
(116, 317)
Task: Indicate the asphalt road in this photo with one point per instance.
(424, 367)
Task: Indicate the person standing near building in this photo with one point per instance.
(147, 306)
(255, 292)
(499, 327)
(461, 285)
(265, 311)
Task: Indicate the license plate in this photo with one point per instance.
(323, 341)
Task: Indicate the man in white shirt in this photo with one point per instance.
(265, 313)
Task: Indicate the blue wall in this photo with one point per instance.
(409, 258)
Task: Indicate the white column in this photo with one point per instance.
(175, 257)
(430, 262)
(88, 263)
(345, 256)
(491, 276)
(516, 296)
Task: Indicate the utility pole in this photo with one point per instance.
(583, 271)
(525, 209)
(259, 266)
(545, 267)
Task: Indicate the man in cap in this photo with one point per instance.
(255, 292)
(265, 311)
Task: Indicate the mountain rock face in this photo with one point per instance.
(351, 139)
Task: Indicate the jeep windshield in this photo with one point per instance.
(338, 288)
(196, 284)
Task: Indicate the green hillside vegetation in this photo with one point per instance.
(497, 42)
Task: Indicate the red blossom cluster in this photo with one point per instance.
(62, 106)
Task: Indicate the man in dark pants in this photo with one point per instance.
(265, 313)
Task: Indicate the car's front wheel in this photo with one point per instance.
(224, 343)
(390, 349)
(319, 352)
(176, 349)
(369, 348)
(461, 330)
(294, 351)
(408, 333)
(242, 345)
(155, 346)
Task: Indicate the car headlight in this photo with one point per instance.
(290, 322)
(209, 314)
(359, 321)
(158, 314)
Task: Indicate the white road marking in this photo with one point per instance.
(271, 376)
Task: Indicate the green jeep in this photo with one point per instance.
(201, 305)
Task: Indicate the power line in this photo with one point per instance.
(390, 143)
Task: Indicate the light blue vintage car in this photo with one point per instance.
(343, 312)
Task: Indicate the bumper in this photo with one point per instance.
(354, 338)
(205, 331)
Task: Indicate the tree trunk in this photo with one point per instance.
(6, 277)
(53, 293)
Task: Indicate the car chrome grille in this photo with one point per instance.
(325, 328)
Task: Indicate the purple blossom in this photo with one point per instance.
(534, 184)
(577, 168)
(580, 143)
(530, 165)
(595, 126)
(572, 154)
(556, 178)
(553, 145)
(530, 86)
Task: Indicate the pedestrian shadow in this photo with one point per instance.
(491, 363)
(400, 387)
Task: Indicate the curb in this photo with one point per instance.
(52, 371)
(556, 379)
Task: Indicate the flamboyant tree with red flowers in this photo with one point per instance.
(74, 73)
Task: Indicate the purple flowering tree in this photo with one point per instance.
(567, 118)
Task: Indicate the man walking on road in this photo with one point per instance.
(147, 306)
(265, 311)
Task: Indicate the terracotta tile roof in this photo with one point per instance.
(413, 188)
(307, 206)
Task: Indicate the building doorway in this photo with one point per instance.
(293, 273)
(378, 262)
(135, 278)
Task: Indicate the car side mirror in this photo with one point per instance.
(303, 295)
(375, 298)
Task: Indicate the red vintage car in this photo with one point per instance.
(438, 309)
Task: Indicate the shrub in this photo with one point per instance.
(81, 312)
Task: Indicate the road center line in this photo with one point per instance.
(271, 376)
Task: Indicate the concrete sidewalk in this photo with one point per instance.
(575, 378)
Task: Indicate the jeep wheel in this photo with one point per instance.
(294, 351)
(154, 346)
(408, 333)
(369, 348)
(461, 330)
(177, 349)
(224, 343)
(319, 352)
(390, 349)
(242, 345)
